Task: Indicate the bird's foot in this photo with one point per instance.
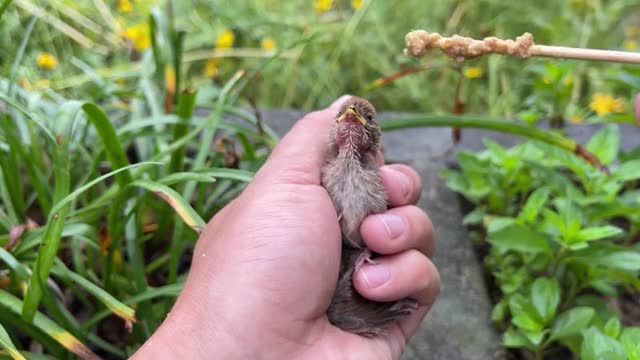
(365, 257)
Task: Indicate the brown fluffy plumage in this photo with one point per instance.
(351, 177)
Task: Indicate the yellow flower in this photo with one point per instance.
(568, 80)
(211, 68)
(43, 83)
(472, 72)
(124, 6)
(575, 119)
(356, 4)
(225, 39)
(633, 31)
(322, 5)
(268, 43)
(630, 44)
(604, 104)
(46, 60)
(139, 35)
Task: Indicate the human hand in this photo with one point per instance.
(265, 267)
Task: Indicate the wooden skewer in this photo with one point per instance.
(462, 48)
(565, 52)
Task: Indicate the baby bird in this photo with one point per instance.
(350, 176)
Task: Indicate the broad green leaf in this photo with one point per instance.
(7, 344)
(525, 322)
(474, 217)
(514, 338)
(623, 260)
(499, 311)
(571, 322)
(545, 296)
(49, 327)
(534, 203)
(612, 327)
(535, 336)
(499, 223)
(524, 313)
(177, 202)
(598, 232)
(605, 143)
(520, 238)
(630, 340)
(629, 170)
(598, 346)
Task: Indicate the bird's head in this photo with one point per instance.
(356, 127)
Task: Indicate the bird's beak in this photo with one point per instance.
(353, 112)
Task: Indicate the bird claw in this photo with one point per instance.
(365, 257)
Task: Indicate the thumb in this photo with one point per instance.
(299, 156)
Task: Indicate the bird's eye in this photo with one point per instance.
(369, 118)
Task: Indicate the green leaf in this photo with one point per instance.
(623, 260)
(113, 148)
(520, 238)
(474, 217)
(545, 296)
(605, 143)
(514, 338)
(598, 346)
(185, 176)
(49, 327)
(526, 322)
(612, 327)
(117, 307)
(598, 232)
(499, 223)
(571, 322)
(184, 110)
(177, 202)
(7, 344)
(499, 311)
(630, 340)
(629, 170)
(52, 233)
(534, 203)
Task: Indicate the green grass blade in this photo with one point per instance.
(177, 202)
(113, 148)
(21, 49)
(30, 115)
(186, 105)
(118, 308)
(49, 327)
(7, 344)
(172, 290)
(72, 196)
(226, 173)
(186, 176)
(12, 184)
(52, 233)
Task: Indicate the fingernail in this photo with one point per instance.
(375, 275)
(404, 180)
(393, 224)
